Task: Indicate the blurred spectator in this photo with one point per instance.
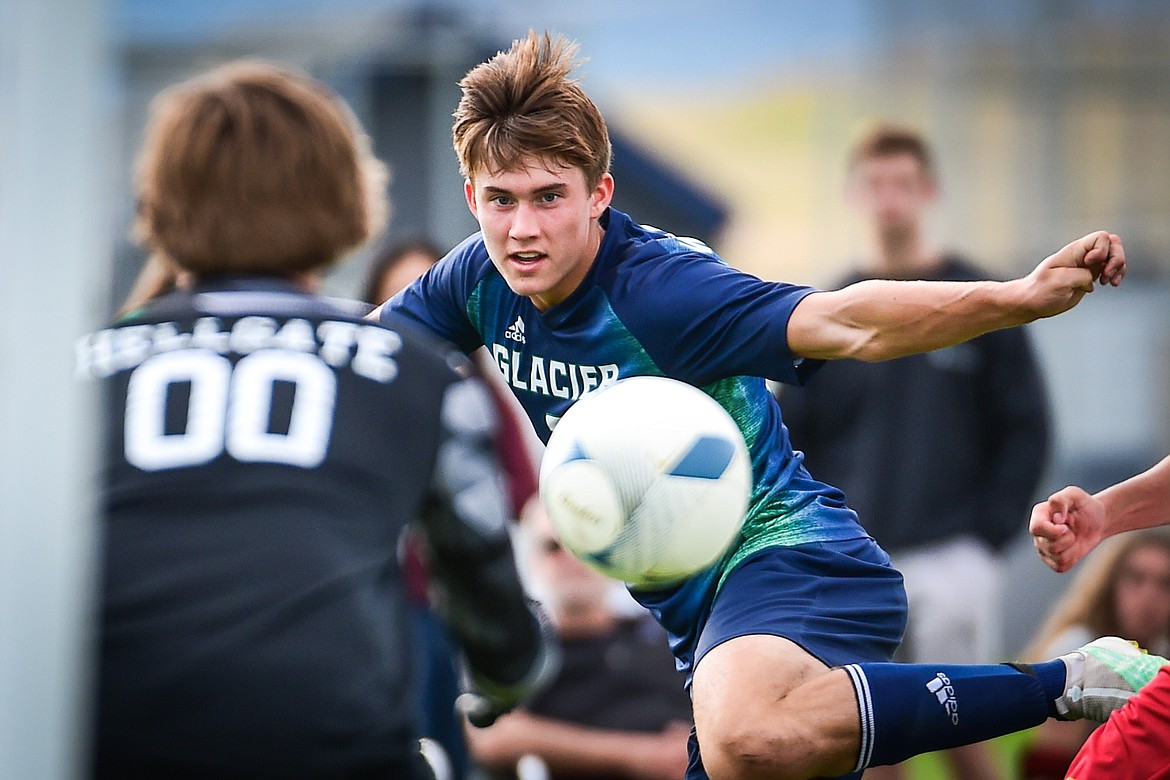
(617, 708)
(397, 266)
(392, 269)
(158, 276)
(939, 453)
(1123, 590)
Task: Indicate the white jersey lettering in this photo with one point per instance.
(545, 376)
(368, 349)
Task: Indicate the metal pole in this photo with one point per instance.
(53, 259)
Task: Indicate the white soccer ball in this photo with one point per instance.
(646, 480)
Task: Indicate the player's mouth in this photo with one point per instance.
(526, 258)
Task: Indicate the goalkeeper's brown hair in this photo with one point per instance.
(523, 104)
(255, 168)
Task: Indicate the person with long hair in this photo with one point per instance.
(1131, 745)
(1123, 590)
(264, 447)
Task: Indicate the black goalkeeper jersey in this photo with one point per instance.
(263, 450)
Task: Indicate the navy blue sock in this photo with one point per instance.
(1051, 675)
(907, 709)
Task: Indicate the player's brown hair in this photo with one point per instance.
(886, 139)
(524, 103)
(254, 167)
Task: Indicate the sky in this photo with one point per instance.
(697, 42)
(654, 43)
(640, 44)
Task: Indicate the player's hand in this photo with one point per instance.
(1066, 527)
(484, 701)
(480, 710)
(1066, 276)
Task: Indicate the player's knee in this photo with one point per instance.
(744, 753)
(752, 749)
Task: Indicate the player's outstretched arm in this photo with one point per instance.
(510, 655)
(1071, 522)
(880, 319)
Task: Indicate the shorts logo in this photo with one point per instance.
(516, 331)
(940, 686)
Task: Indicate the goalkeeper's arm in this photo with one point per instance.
(478, 592)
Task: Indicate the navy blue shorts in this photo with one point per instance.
(843, 602)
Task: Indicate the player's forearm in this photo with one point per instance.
(564, 747)
(479, 594)
(1142, 501)
(478, 589)
(880, 319)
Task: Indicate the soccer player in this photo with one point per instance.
(783, 642)
(265, 448)
(1132, 743)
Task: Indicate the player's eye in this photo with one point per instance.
(550, 197)
(500, 200)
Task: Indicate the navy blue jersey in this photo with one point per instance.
(658, 305)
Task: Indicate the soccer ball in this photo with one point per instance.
(646, 480)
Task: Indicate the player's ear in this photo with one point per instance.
(849, 191)
(469, 194)
(601, 196)
(930, 187)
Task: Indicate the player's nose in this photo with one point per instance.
(525, 223)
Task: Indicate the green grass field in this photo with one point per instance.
(1007, 750)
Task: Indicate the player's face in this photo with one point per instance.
(1142, 593)
(540, 226)
(891, 192)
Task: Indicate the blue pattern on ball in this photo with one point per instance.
(708, 458)
(576, 453)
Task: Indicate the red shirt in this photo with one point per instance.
(1134, 744)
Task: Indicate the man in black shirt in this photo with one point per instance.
(939, 453)
(616, 708)
(264, 449)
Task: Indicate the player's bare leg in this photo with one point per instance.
(764, 708)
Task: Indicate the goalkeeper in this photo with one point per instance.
(265, 448)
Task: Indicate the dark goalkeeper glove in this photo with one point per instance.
(483, 700)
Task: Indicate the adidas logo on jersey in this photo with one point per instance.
(516, 331)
